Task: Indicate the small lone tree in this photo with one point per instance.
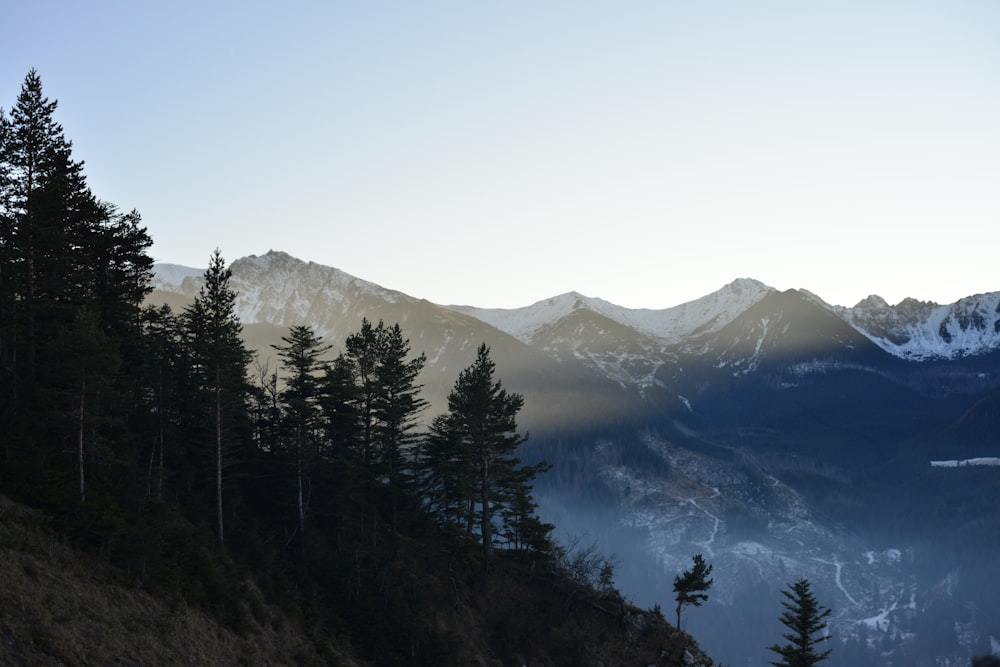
(690, 585)
(804, 617)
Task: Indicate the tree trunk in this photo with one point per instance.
(159, 413)
(302, 511)
(487, 520)
(218, 453)
(83, 393)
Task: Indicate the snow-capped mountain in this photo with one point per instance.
(669, 325)
(278, 289)
(782, 327)
(920, 330)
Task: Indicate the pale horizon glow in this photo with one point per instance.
(497, 154)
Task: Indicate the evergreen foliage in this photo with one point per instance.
(218, 361)
(690, 586)
(472, 475)
(805, 618)
(300, 401)
(73, 274)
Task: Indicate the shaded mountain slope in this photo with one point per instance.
(276, 291)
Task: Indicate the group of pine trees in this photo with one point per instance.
(74, 272)
(107, 401)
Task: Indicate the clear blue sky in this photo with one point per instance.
(498, 153)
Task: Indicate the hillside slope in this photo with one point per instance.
(62, 606)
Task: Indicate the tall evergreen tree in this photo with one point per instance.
(219, 363)
(397, 408)
(388, 403)
(804, 617)
(387, 395)
(48, 214)
(8, 294)
(339, 406)
(301, 357)
(470, 454)
(363, 353)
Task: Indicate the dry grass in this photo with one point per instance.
(60, 607)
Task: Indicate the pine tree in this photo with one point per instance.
(448, 474)
(387, 395)
(48, 215)
(387, 402)
(690, 585)
(8, 294)
(397, 407)
(363, 353)
(301, 357)
(122, 270)
(469, 455)
(520, 525)
(804, 618)
(339, 407)
(219, 362)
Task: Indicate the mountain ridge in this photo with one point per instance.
(912, 330)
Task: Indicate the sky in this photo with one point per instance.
(499, 153)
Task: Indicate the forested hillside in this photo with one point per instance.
(298, 506)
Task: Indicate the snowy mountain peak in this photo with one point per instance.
(671, 325)
(918, 330)
(872, 302)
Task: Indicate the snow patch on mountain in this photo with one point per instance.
(277, 288)
(171, 277)
(919, 330)
(670, 325)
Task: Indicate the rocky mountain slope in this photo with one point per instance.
(276, 291)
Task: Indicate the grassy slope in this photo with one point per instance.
(59, 606)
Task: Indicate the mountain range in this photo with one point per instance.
(777, 434)
(276, 288)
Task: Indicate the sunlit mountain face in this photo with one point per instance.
(773, 433)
